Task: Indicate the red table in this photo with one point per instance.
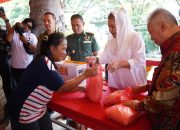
(92, 114)
(152, 62)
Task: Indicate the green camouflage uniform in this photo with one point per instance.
(79, 46)
(40, 38)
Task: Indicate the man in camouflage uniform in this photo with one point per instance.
(49, 25)
(80, 44)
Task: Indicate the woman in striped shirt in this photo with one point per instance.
(27, 104)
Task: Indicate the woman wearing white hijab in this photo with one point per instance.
(124, 53)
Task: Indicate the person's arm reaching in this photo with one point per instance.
(10, 34)
(72, 85)
(3, 16)
(28, 44)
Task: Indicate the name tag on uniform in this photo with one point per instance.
(86, 41)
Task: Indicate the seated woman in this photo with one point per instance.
(27, 104)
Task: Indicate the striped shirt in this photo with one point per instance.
(36, 88)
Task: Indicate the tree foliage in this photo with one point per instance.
(16, 11)
(96, 11)
(137, 10)
(178, 2)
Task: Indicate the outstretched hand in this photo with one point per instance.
(140, 89)
(23, 39)
(133, 104)
(78, 89)
(90, 72)
(91, 59)
(2, 15)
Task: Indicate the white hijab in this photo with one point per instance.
(124, 32)
(128, 45)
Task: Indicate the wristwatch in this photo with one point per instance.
(6, 21)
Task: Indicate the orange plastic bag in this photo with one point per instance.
(94, 86)
(118, 97)
(122, 114)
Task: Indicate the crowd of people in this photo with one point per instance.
(29, 73)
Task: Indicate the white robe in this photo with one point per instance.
(134, 52)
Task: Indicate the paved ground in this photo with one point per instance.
(55, 127)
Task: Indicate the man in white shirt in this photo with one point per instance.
(23, 45)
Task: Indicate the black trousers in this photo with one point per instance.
(5, 72)
(16, 75)
(44, 123)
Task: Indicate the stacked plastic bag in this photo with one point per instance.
(118, 97)
(116, 111)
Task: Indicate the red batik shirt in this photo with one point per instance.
(163, 102)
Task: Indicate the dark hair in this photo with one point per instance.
(111, 16)
(27, 20)
(50, 13)
(77, 16)
(53, 39)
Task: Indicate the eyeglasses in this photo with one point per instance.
(29, 26)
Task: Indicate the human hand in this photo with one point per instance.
(2, 15)
(135, 104)
(110, 68)
(90, 72)
(156, 106)
(23, 39)
(91, 59)
(113, 66)
(140, 89)
(79, 89)
(18, 24)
